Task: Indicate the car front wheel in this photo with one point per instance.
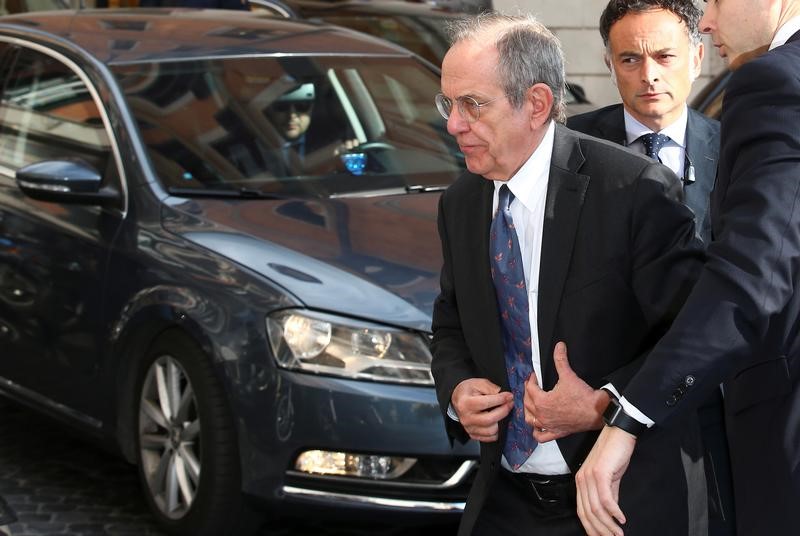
(186, 444)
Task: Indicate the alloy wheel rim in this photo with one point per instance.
(169, 437)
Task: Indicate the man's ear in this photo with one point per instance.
(541, 98)
(610, 66)
(697, 61)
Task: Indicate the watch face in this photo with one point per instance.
(614, 415)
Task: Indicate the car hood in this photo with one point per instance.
(376, 258)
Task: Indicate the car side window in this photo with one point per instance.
(47, 112)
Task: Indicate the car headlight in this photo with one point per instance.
(327, 344)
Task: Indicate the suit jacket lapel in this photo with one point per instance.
(794, 37)
(566, 189)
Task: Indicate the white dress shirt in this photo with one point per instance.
(529, 186)
(673, 153)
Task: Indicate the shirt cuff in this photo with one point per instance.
(452, 413)
(629, 408)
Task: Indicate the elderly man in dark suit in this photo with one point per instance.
(588, 245)
(654, 53)
(741, 321)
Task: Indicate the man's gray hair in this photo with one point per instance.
(528, 54)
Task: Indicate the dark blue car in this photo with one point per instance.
(218, 255)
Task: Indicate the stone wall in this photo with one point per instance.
(575, 22)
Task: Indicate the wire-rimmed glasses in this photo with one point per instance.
(468, 107)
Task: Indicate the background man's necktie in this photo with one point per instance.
(653, 143)
(512, 301)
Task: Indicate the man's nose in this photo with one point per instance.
(707, 20)
(456, 123)
(651, 72)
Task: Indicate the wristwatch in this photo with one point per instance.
(614, 415)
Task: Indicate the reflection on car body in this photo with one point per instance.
(245, 320)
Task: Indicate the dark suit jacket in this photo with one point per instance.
(618, 254)
(742, 320)
(702, 150)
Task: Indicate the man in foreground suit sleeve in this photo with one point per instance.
(608, 254)
(654, 53)
(740, 323)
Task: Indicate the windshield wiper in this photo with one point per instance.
(239, 192)
(423, 188)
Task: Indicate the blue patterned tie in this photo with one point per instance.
(653, 143)
(512, 302)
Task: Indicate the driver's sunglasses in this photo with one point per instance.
(468, 107)
(300, 107)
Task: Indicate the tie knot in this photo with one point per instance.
(653, 143)
(504, 197)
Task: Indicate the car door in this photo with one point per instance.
(53, 256)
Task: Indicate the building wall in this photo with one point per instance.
(575, 22)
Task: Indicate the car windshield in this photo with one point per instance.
(300, 126)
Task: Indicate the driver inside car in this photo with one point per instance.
(291, 114)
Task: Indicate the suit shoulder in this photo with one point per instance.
(602, 151)
(711, 123)
(587, 121)
(611, 166)
(774, 71)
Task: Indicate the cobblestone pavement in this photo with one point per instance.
(60, 485)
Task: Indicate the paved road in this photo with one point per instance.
(60, 485)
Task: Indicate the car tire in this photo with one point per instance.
(182, 425)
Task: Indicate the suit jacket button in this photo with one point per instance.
(689, 381)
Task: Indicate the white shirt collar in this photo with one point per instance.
(791, 27)
(676, 130)
(531, 179)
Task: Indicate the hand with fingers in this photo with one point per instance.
(571, 406)
(598, 482)
(480, 406)
(346, 146)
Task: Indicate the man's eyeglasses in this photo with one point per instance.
(300, 107)
(468, 107)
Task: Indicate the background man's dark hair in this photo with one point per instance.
(684, 9)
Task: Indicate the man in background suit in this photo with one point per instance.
(654, 53)
(589, 245)
(741, 322)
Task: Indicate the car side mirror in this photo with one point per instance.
(65, 181)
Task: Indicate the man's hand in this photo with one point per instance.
(598, 482)
(346, 146)
(571, 406)
(480, 406)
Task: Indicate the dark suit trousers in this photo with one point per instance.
(510, 510)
